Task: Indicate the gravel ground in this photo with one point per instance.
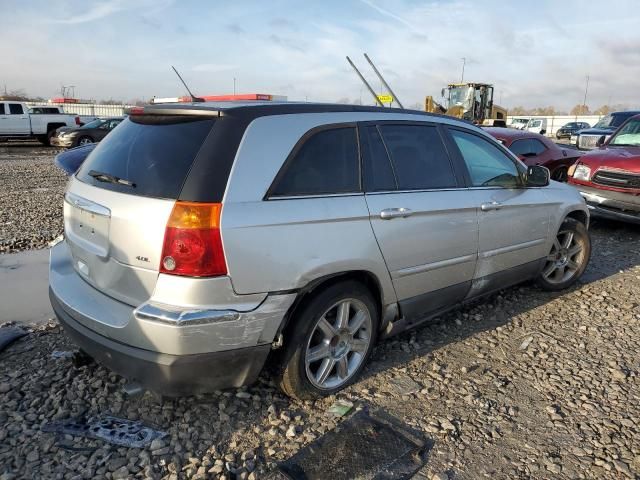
(30, 198)
(525, 384)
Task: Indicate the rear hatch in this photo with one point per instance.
(117, 206)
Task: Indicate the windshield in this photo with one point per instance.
(629, 135)
(605, 122)
(461, 97)
(94, 124)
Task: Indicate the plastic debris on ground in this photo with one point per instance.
(10, 334)
(367, 446)
(118, 431)
(340, 408)
(61, 354)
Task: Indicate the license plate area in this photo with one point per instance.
(87, 225)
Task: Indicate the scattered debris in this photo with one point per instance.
(340, 408)
(57, 354)
(365, 446)
(527, 341)
(118, 431)
(10, 334)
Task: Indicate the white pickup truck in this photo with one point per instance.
(17, 123)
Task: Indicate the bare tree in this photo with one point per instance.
(580, 110)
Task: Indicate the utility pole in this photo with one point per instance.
(464, 61)
(584, 101)
(234, 85)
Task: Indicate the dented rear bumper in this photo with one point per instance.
(171, 349)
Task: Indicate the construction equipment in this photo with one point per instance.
(469, 101)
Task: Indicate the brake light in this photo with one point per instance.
(192, 241)
(136, 111)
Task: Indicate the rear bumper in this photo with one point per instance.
(172, 375)
(170, 349)
(611, 204)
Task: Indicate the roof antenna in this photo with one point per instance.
(193, 97)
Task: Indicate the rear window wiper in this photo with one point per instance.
(108, 178)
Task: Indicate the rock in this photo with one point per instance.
(121, 474)
(5, 387)
(157, 444)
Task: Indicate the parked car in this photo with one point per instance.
(92, 132)
(17, 123)
(70, 160)
(530, 124)
(609, 177)
(201, 237)
(587, 139)
(535, 149)
(570, 128)
(519, 123)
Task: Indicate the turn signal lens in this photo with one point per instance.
(192, 241)
(572, 169)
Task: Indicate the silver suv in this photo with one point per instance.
(203, 239)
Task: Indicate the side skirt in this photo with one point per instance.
(420, 309)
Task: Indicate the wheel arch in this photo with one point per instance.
(314, 287)
(579, 215)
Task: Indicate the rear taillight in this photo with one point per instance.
(192, 241)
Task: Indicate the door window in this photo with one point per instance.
(1, 108)
(377, 171)
(326, 163)
(418, 156)
(15, 109)
(527, 147)
(488, 166)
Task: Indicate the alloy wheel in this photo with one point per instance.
(338, 344)
(85, 141)
(566, 257)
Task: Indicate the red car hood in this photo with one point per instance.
(622, 158)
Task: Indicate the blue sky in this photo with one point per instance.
(537, 53)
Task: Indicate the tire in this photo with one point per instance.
(560, 174)
(324, 355)
(85, 140)
(562, 267)
(44, 140)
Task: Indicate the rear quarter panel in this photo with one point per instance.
(284, 244)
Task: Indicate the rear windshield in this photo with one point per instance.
(146, 155)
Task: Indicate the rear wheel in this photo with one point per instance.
(568, 258)
(85, 140)
(333, 337)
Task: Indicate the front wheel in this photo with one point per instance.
(85, 140)
(330, 341)
(560, 174)
(568, 258)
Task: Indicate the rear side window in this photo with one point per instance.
(1, 108)
(419, 158)
(326, 163)
(152, 154)
(15, 109)
(377, 171)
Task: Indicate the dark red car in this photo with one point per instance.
(535, 149)
(609, 177)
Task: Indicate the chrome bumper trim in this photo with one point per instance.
(182, 317)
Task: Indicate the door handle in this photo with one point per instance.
(485, 207)
(389, 213)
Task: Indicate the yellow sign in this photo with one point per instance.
(385, 98)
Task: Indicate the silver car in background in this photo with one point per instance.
(202, 240)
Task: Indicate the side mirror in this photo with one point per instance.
(600, 141)
(538, 176)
